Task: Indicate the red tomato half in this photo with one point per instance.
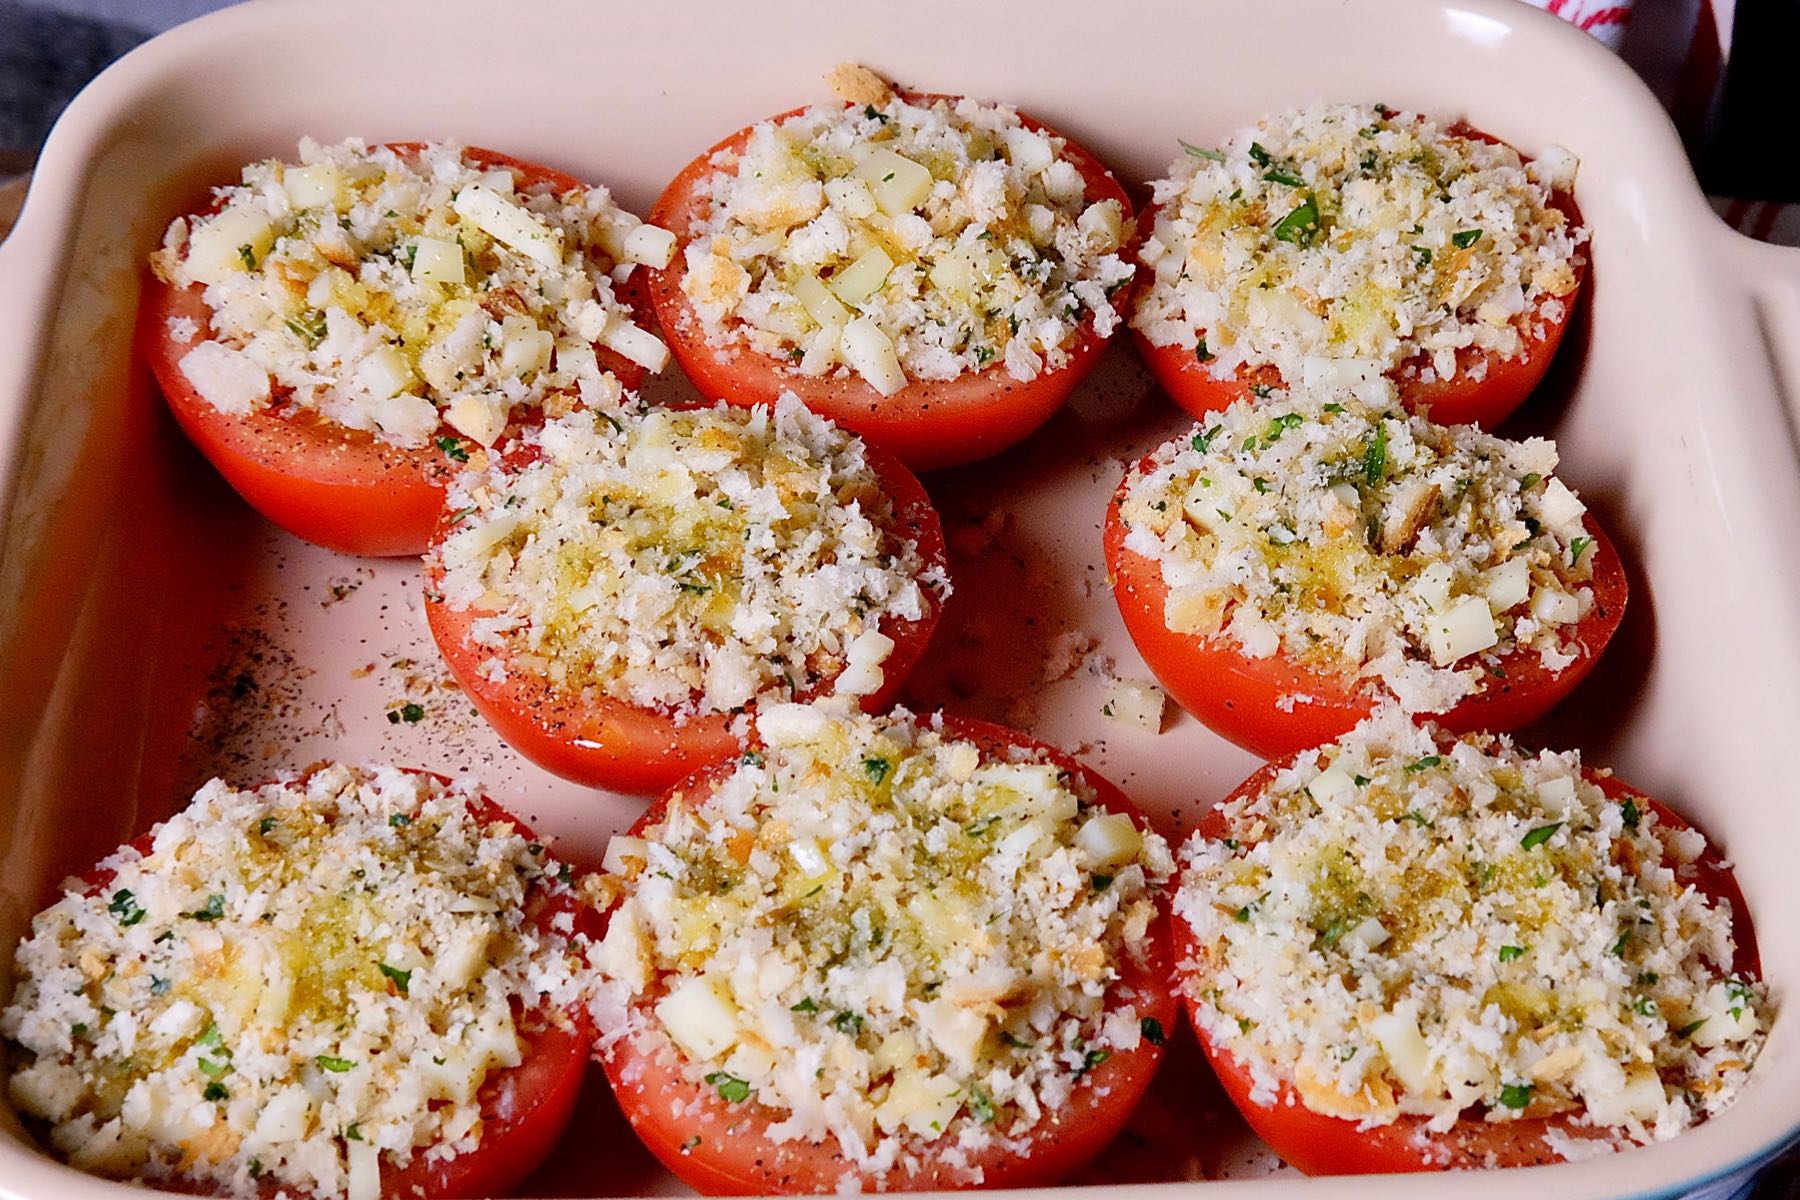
(1322, 1145)
(723, 1149)
(1458, 401)
(602, 742)
(1275, 706)
(524, 1109)
(328, 484)
(929, 423)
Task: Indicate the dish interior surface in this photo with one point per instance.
(155, 632)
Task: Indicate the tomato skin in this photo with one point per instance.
(337, 487)
(735, 1155)
(1242, 698)
(525, 1109)
(928, 424)
(1322, 1145)
(608, 743)
(1458, 401)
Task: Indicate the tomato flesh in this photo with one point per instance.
(723, 1149)
(599, 741)
(1323, 1145)
(337, 487)
(1502, 386)
(1276, 706)
(929, 423)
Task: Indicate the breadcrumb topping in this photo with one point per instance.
(295, 983)
(1371, 543)
(401, 293)
(688, 560)
(888, 935)
(898, 240)
(1338, 243)
(1408, 923)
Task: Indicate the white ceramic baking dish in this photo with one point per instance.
(152, 631)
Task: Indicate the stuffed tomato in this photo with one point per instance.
(1296, 561)
(1410, 951)
(357, 982)
(934, 273)
(616, 598)
(1339, 243)
(340, 335)
(883, 953)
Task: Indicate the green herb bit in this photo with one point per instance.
(399, 820)
(125, 907)
(402, 979)
(265, 825)
(159, 986)
(1538, 836)
(212, 1068)
(1530, 481)
(1279, 426)
(873, 114)
(354, 1133)
(808, 1005)
(1017, 1043)
(976, 829)
(214, 910)
(215, 1092)
(409, 712)
(1202, 152)
(1375, 455)
(981, 1104)
(1204, 438)
(1334, 407)
(1466, 238)
(1511, 953)
(1090, 1060)
(1201, 353)
(337, 1066)
(690, 1143)
(453, 448)
(1423, 254)
(1426, 763)
(1688, 1030)
(1644, 1006)
(1258, 155)
(247, 254)
(1618, 947)
(1516, 1095)
(1419, 819)
(732, 1090)
(1301, 225)
(1577, 547)
(309, 327)
(1102, 882)
(876, 768)
(848, 1022)
(1284, 176)
(1152, 1030)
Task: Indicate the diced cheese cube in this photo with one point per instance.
(819, 303)
(864, 277)
(956, 1031)
(1103, 225)
(624, 855)
(899, 184)
(237, 239)
(699, 1019)
(1555, 607)
(922, 1104)
(632, 342)
(1556, 796)
(317, 186)
(610, 230)
(953, 273)
(1332, 785)
(1109, 839)
(383, 373)
(463, 959)
(1433, 586)
(862, 674)
(1136, 703)
(480, 418)
(1397, 1033)
(509, 224)
(524, 347)
(650, 245)
(363, 1181)
(851, 197)
(1508, 584)
(1464, 628)
(1368, 934)
(870, 353)
(1559, 508)
(624, 953)
(285, 1115)
(437, 261)
(1029, 150)
(577, 360)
